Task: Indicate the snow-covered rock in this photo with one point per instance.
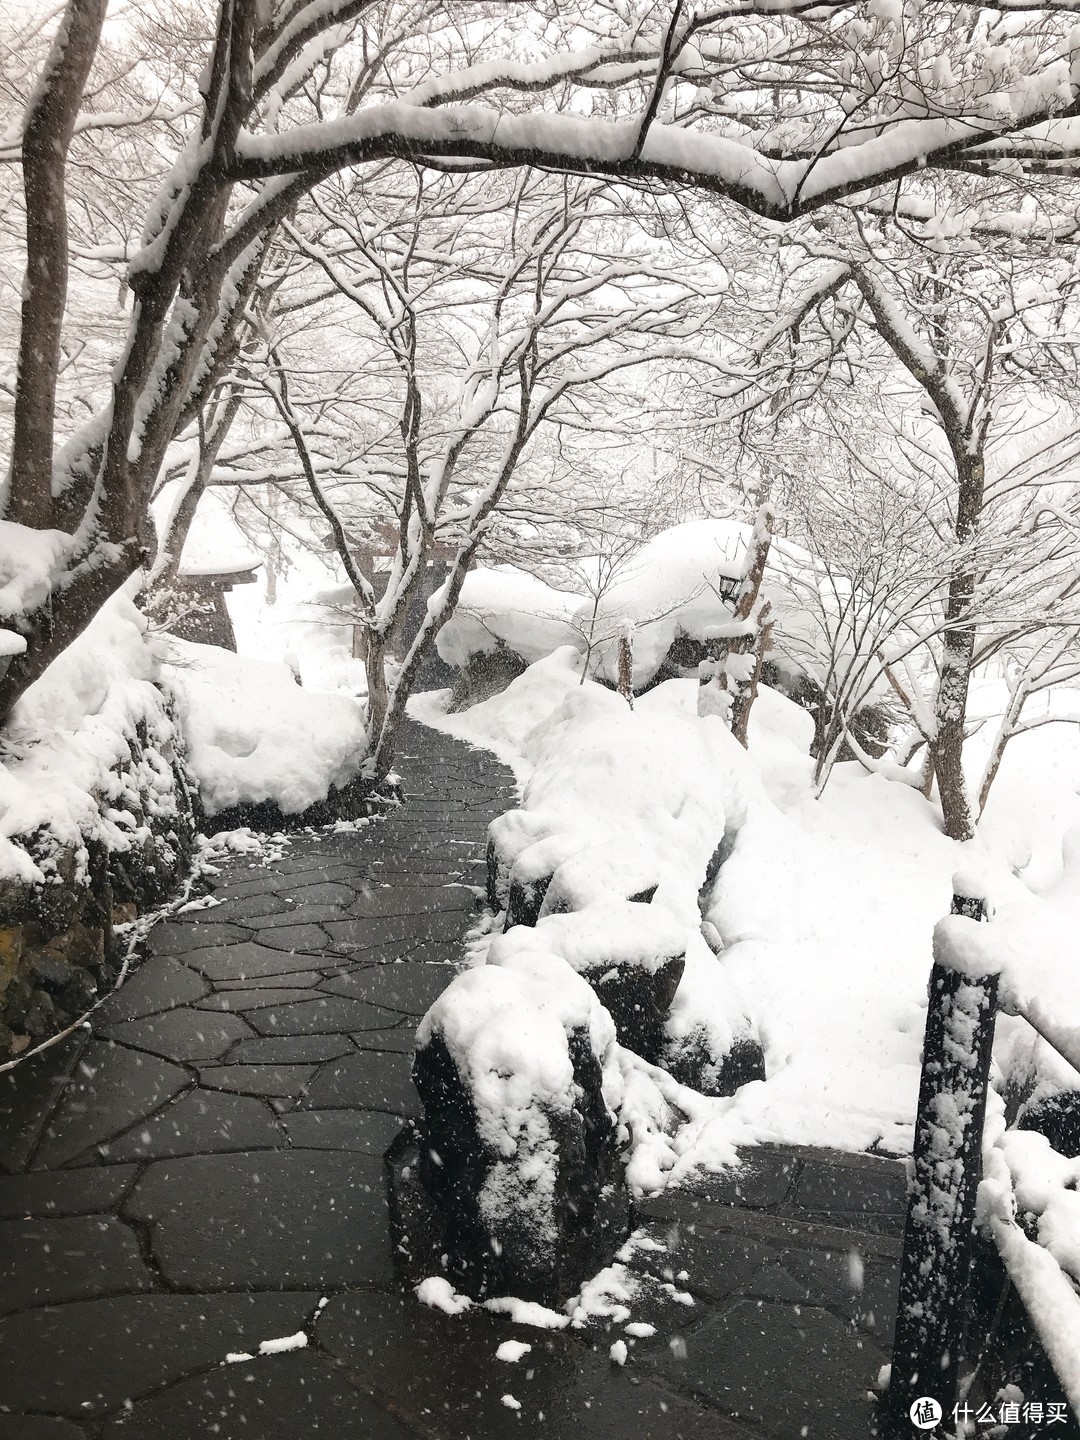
(710, 1042)
(253, 735)
(632, 954)
(96, 821)
(517, 1070)
(484, 674)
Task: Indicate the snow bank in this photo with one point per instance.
(96, 822)
(1025, 1177)
(253, 734)
(30, 561)
(825, 908)
(68, 776)
(631, 785)
(504, 604)
(501, 723)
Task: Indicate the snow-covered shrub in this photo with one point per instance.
(96, 820)
(516, 1066)
(254, 736)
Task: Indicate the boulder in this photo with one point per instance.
(485, 674)
(516, 1070)
(698, 1063)
(1058, 1118)
(507, 835)
(710, 1044)
(631, 955)
(531, 874)
(354, 800)
(623, 870)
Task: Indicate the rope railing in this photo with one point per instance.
(1064, 1039)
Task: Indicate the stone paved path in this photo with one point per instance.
(203, 1173)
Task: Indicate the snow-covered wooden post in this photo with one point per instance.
(939, 1229)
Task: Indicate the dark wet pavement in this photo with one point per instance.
(203, 1173)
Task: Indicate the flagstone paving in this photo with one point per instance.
(203, 1172)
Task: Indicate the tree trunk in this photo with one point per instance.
(743, 701)
(948, 747)
(725, 681)
(958, 648)
(378, 691)
(49, 126)
(626, 668)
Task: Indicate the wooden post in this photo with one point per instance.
(939, 1234)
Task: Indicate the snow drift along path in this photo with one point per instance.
(827, 909)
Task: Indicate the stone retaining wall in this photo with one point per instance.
(58, 937)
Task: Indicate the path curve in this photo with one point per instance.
(202, 1174)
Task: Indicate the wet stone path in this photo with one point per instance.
(202, 1173)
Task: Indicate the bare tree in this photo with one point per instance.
(489, 312)
(983, 336)
(260, 112)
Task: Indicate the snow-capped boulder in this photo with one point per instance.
(709, 1041)
(632, 954)
(486, 673)
(531, 874)
(516, 1068)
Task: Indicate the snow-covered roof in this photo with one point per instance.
(215, 543)
(503, 603)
